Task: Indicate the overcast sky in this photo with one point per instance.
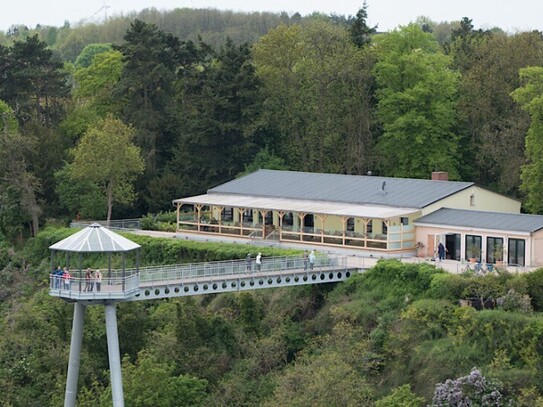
(510, 15)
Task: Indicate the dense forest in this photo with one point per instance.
(116, 119)
(393, 336)
(315, 93)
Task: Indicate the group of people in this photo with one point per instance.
(93, 279)
(249, 262)
(61, 278)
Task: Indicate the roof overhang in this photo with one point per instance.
(298, 205)
(472, 229)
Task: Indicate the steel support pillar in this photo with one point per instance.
(75, 353)
(114, 355)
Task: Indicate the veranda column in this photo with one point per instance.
(387, 223)
(281, 214)
(75, 354)
(198, 215)
(114, 355)
(301, 215)
(344, 220)
(241, 212)
(322, 218)
(178, 213)
(263, 214)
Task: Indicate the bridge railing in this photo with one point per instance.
(119, 282)
(82, 286)
(157, 274)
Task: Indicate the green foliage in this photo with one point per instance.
(151, 383)
(106, 156)
(401, 397)
(417, 101)
(534, 282)
(85, 59)
(530, 97)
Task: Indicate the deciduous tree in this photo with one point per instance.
(107, 156)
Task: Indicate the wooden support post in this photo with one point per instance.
(241, 212)
(281, 214)
(198, 216)
(301, 215)
(322, 218)
(263, 213)
(344, 220)
(366, 222)
(387, 224)
(219, 215)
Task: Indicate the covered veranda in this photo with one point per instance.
(373, 227)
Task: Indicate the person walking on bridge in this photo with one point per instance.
(258, 261)
(249, 263)
(311, 259)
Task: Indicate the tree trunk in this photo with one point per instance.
(109, 201)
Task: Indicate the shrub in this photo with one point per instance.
(513, 301)
(535, 288)
(401, 397)
(471, 390)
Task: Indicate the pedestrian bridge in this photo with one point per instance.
(181, 280)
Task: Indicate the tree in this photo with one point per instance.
(317, 88)
(530, 97)
(221, 105)
(95, 83)
(84, 60)
(360, 31)
(417, 100)
(19, 186)
(106, 156)
(33, 81)
(151, 60)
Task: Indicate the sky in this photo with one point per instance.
(512, 16)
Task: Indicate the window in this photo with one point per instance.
(227, 214)
(473, 247)
(404, 221)
(248, 215)
(269, 218)
(385, 228)
(369, 227)
(516, 252)
(288, 219)
(494, 249)
(472, 200)
(350, 225)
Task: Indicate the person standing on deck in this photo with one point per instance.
(98, 280)
(248, 262)
(311, 259)
(258, 261)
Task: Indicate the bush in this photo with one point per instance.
(513, 301)
(535, 288)
(471, 390)
(401, 397)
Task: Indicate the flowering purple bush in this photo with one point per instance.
(513, 301)
(473, 390)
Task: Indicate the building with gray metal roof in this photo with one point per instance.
(353, 189)
(513, 222)
(368, 212)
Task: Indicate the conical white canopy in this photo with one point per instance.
(95, 239)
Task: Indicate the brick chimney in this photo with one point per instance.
(440, 176)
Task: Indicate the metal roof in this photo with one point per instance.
(514, 222)
(94, 239)
(354, 189)
(298, 205)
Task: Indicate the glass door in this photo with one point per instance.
(517, 249)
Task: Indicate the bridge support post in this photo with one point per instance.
(75, 353)
(114, 355)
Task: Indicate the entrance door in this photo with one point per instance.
(452, 244)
